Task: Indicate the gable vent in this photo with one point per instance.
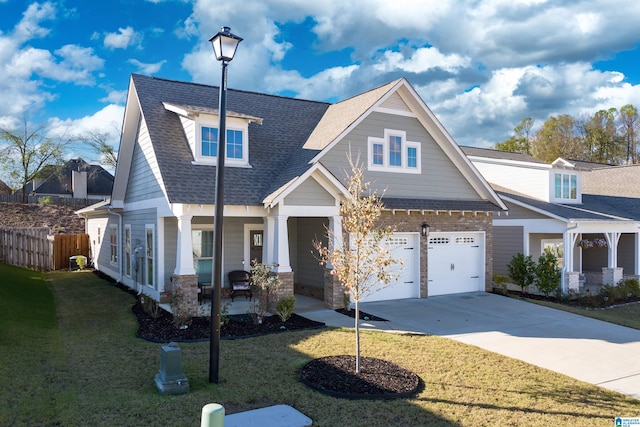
(395, 102)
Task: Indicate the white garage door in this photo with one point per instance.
(455, 263)
(405, 247)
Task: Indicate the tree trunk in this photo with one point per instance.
(357, 320)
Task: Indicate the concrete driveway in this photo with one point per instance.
(590, 350)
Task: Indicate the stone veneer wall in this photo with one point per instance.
(189, 286)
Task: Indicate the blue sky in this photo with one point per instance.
(481, 66)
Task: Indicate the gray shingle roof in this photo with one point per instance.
(593, 207)
(498, 154)
(275, 146)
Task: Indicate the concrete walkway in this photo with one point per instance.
(589, 350)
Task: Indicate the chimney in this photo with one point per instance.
(79, 184)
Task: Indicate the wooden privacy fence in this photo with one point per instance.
(68, 245)
(36, 249)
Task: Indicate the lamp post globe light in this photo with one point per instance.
(224, 45)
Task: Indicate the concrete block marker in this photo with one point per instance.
(171, 379)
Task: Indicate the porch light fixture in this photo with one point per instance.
(224, 45)
(424, 231)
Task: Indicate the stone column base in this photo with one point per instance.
(611, 276)
(333, 291)
(286, 284)
(189, 288)
(571, 281)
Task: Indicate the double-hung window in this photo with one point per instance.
(113, 244)
(235, 150)
(393, 153)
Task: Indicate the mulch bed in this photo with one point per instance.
(378, 379)
(163, 329)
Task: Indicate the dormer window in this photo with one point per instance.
(235, 149)
(565, 186)
(394, 153)
(200, 126)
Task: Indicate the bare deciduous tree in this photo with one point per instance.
(27, 151)
(364, 264)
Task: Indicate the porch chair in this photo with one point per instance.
(240, 281)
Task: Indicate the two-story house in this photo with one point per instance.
(285, 177)
(594, 234)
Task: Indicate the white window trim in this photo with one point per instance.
(561, 199)
(129, 252)
(152, 228)
(386, 167)
(113, 231)
(213, 160)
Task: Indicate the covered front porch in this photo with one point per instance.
(602, 253)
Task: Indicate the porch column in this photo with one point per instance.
(184, 255)
(636, 268)
(335, 235)
(612, 243)
(281, 247)
(570, 278)
(268, 241)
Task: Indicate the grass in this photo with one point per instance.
(70, 358)
(625, 315)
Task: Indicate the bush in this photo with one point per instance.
(547, 273)
(630, 288)
(521, 270)
(500, 283)
(285, 307)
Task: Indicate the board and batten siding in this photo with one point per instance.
(507, 242)
(440, 178)
(310, 193)
(143, 179)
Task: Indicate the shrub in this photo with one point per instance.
(176, 299)
(630, 288)
(547, 273)
(285, 307)
(150, 306)
(521, 270)
(500, 283)
(267, 285)
(81, 260)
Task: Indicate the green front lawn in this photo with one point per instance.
(70, 358)
(625, 315)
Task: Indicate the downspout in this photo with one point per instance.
(119, 243)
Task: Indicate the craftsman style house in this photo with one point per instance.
(588, 214)
(285, 176)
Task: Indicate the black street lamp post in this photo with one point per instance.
(224, 45)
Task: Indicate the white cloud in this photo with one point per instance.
(147, 68)
(122, 39)
(28, 72)
(420, 60)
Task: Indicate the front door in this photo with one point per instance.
(255, 245)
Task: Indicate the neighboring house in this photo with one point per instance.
(285, 178)
(559, 205)
(75, 179)
(4, 188)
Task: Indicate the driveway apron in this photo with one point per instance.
(590, 350)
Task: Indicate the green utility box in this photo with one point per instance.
(171, 379)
